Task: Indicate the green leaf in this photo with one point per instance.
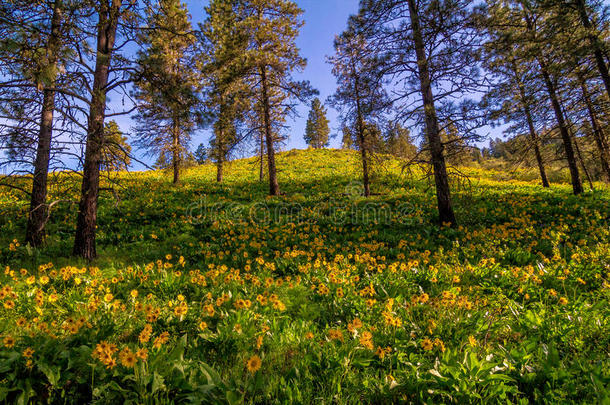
(234, 397)
(157, 383)
(52, 374)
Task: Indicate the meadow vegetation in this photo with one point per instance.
(216, 293)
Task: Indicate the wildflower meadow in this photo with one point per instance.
(215, 293)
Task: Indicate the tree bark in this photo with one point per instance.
(219, 171)
(598, 134)
(582, 163)
(84, 241)
(220, 160)
(443, 193)
(530, 123)
(261, 168)
(38, 212)
(176, 151)
(536, 142)
(361, 138)
(595, 44)
(565, 135)
(274, 188)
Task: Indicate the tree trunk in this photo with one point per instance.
(176, 151)
(598, 133)
(530, 123)
(84, 241)
(595, 44)
(582, 163)
(274, 188)
(38, 212)
(565, 135)
(261, 171)
(536, 143)
(361, 138)
(219, 169)
(219, 161)
(443, 193)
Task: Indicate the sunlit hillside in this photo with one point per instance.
(207, 292)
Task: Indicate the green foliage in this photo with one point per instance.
(316, 129)
(167, 83)
(347, 139)
(201, 154)
(115, 151)
(399, 142)
(228, 97)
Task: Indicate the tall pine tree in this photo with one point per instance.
(167, 85)
(227, 96)
(429, 48)
(359, 95)
(33, 59)
(109, 14)
(524, 27)
(271, 57)
(514, 92)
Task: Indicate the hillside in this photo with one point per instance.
(219, 293)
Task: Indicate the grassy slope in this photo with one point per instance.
(514, 302)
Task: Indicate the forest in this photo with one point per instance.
(444, 238)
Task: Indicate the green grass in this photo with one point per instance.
(512, 306)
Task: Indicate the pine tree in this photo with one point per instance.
(116, 152)
(228, 96)
(525, 27)
(109, 14)
(514, 92)
(359, 95)
(33, 55)
(270, 59)
(592, 17)
(399, 142)
(597, 130)
(224, 139)
(443, 195)
(201, 154)
(38, 212)
(457, 151)
(347, 139)
(316, 129)
(166, 89)
(429, 49)
(582, 94)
